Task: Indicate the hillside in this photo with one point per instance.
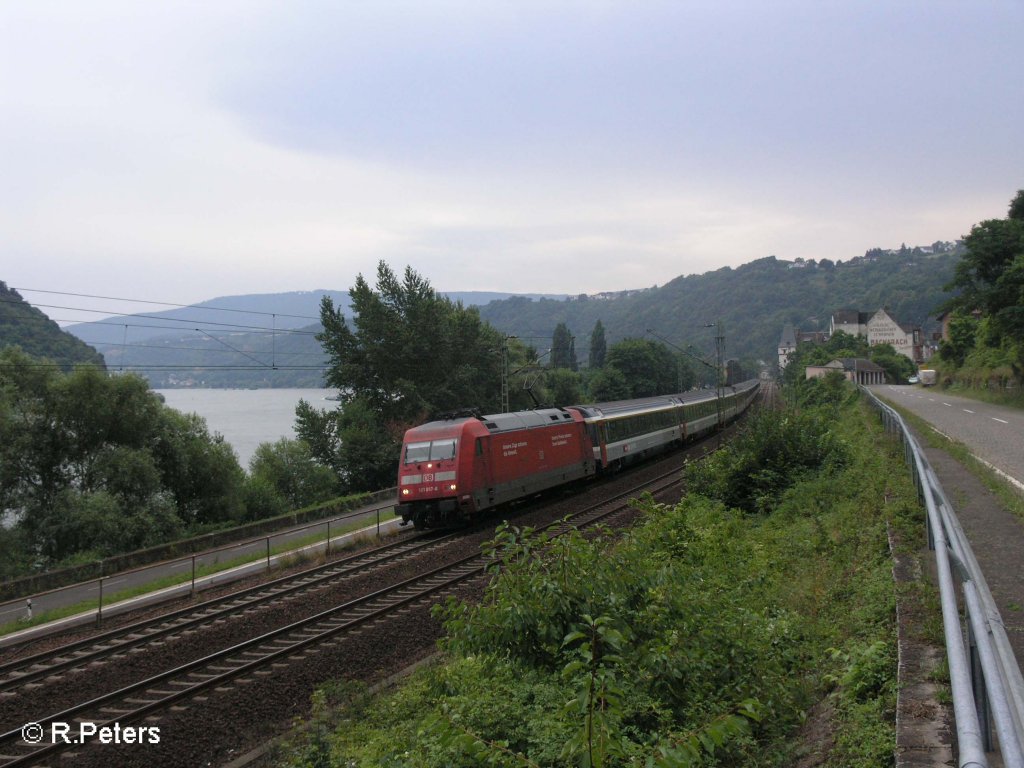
(753, 302)
(269, 339)
(253, 340)
(24, 326)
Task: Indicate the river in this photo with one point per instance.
(247, 417)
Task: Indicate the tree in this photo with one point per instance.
(1016, 212)
(288, 467)
(990, 278)
(609, 384)
(408, 354)
(598, 346)
(563, 348)
(963, 333)
(563, 387)
(93, 464)
(649, 367)
(898, 367)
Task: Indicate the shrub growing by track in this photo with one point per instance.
(701, 637)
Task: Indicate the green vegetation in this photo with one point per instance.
(703, 636)
(24, 326)
(754, 301)
(985, 347)
(410, 354)
(93, 464)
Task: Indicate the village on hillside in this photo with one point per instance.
(878, 328)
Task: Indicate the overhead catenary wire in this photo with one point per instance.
(161, 303)
(185, 321)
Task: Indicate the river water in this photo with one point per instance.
(247, 417)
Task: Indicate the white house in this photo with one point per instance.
(880, 328)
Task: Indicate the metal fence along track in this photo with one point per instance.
(988, 690)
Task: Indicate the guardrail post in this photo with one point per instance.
(378, 522)
(193, 592)
(99, 605)
(268, 553)
(327, 549)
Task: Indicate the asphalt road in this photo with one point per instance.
(993, 433)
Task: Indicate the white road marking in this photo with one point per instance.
(1001, 421)
(1000, 472)
(948, 405)
(968, 411)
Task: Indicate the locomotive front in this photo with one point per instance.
(430, 471)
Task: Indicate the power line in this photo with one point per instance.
(151, 317)
(162, 303)
(202, 350)
(248, 328)
(134, 369)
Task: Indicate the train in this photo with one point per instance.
(456, 468)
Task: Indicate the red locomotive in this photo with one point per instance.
(452, 469)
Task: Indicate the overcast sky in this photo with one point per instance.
(179, 151)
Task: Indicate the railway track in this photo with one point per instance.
(141, 704)
(40, 667)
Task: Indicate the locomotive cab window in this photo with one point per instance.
(415, 452)
(435, 450)
(442, 449)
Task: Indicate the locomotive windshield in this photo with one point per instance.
(434, 450)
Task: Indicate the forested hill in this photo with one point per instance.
(24, 326)
(753, 302)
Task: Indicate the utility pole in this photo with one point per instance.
(504, 374)
(720, 366)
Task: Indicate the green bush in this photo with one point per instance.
(774, 451)
(700, 637)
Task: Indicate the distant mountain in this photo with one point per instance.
(228, 314)
(269, 339)
(753, 302)
(254, 340)
(24, 326)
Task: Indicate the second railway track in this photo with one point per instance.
(271, 656)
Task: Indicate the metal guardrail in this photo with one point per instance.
(988, 690)
(211, 557)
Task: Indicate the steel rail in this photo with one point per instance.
(293, 638)
(986, 682)
(18, 672)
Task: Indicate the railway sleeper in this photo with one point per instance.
(115, 711)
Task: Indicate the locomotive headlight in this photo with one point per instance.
(405, 491)
(452, 486)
